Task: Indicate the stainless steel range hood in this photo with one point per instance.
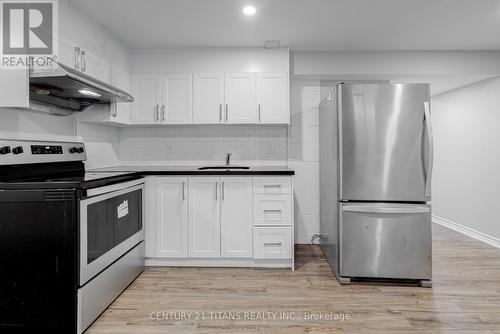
(71, 90)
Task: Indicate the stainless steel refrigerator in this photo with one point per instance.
(375, 191)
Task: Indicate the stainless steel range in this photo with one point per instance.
(71, 241)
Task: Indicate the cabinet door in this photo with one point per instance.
(95, 67)
(204, 217)
(67, 54)
(171, 217)
(146, 93)
(236, 217)
(208, 98)
(272, 98)
(239, 97)
(177, 104)
(120, 112)
(14, 88)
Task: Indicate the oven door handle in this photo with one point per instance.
(113, 188)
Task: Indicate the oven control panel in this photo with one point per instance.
(43, 149)
(14, 152)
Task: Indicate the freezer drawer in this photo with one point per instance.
(380, 240)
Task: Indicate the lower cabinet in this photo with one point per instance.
(236, 217)
(220, 221)
(171, 217)
(204, 217)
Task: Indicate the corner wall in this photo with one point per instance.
(466, 180)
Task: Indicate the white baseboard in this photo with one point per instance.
(487, 239)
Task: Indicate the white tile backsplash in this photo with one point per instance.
(198, 145)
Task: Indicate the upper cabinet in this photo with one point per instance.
(240, 107)
(146, 90)
(208, 98)
(84, 61)
(273, 104)
(211, 98)
(177, 99)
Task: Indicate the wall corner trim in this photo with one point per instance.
(487, 239)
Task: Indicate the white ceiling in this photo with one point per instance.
(302, 24)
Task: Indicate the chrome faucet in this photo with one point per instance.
(228, 158)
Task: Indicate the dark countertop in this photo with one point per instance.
(193, 170)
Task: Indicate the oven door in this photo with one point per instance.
(111, 223)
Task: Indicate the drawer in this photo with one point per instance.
(272, 210)
(272, 243)
(272, 185)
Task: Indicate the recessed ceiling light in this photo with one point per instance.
(88, 92)
(249, 10)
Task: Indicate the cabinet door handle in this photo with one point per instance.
(157, 112)
(163, 112)
(227, 108)
(272, 243)
(183, 191)
(216, 190)
(223, 191)
(220, 112)
(77, 58)
(259, 112)
(84, 61)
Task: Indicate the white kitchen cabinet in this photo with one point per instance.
(272, 98)
(204, 217)
(172, 217)
(208, 98)
(83, 60)
(240, 106)
(120, 111)
(177, 99)
(95, 66)
(146, 90)
(14, 88)
(272, 243)
(236, 217)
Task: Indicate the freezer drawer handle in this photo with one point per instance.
(386, 209)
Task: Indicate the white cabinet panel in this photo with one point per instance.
(95, 67)
(171, 219)
(272, 185)
(204, 217)
(272, 210)
(240, 106)
(14, 88)
(177, 104)
(272, 98)
(236, 217)
(120, 112)
(208, 98)
(146, 92)
(272, 243)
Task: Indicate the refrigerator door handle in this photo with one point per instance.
(391, 209)
(430, 162)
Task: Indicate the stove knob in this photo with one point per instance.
(73, 150)
(79, 149)
(5, 150)
(17, 150)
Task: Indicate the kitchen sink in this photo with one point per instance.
(223, 167)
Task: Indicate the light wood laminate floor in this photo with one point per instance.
(465, 297)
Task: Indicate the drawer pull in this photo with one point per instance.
(272, 243)
(272, 214)
(272, 186)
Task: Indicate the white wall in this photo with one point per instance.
(303, 156)
(466, 180)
